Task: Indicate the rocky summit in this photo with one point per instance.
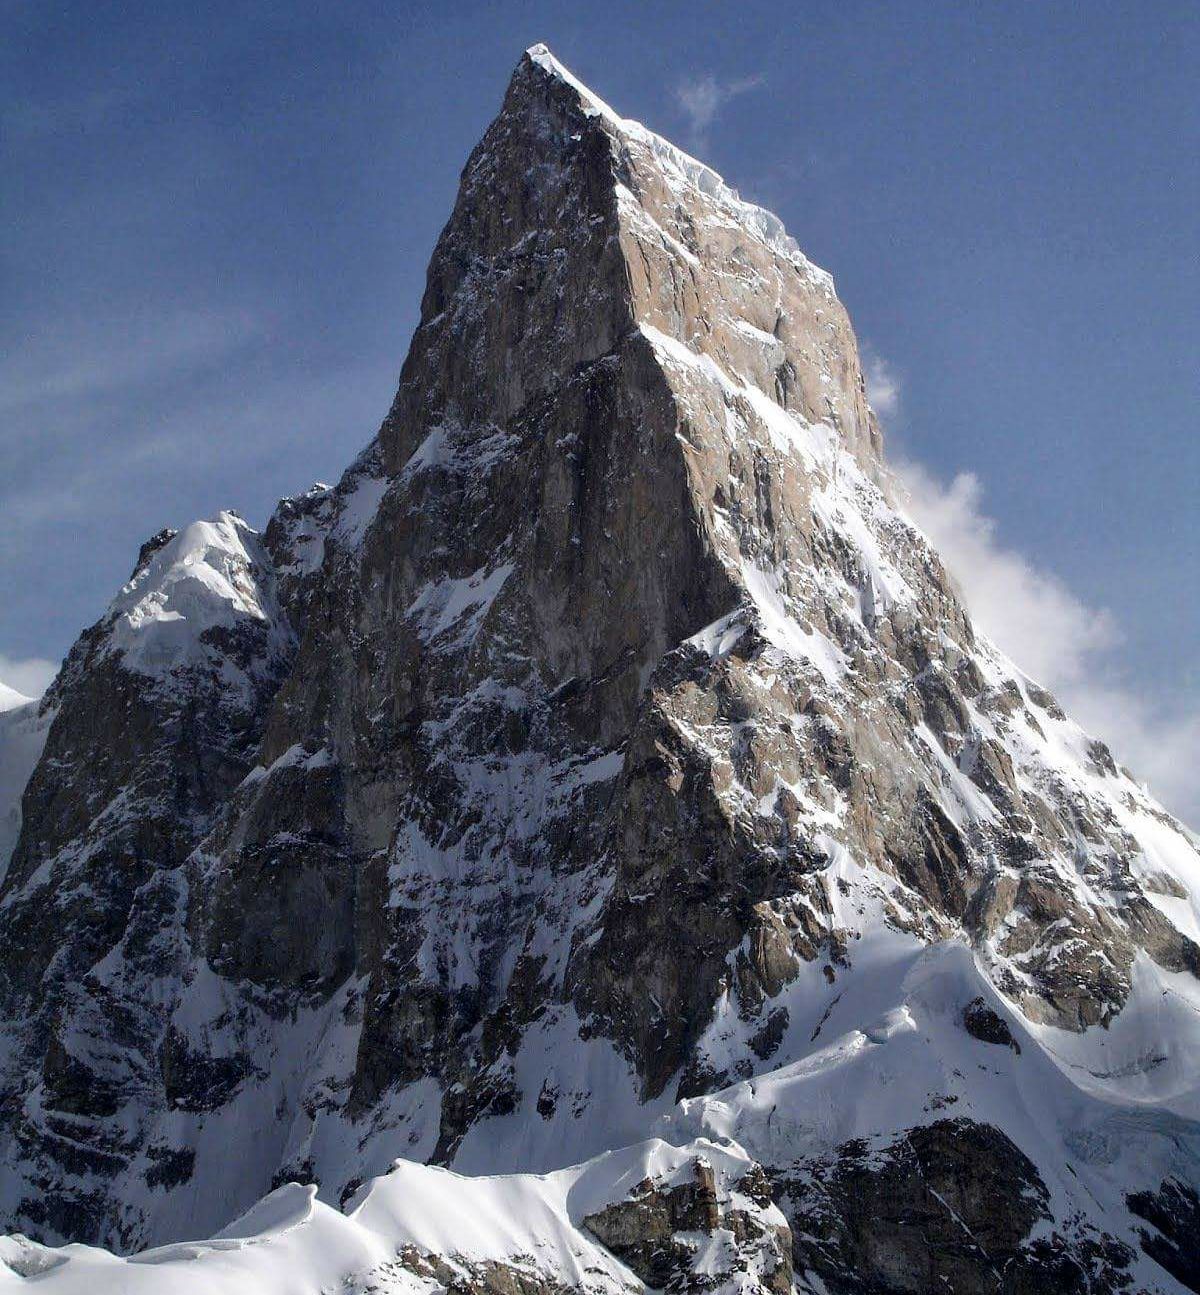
(589, 848)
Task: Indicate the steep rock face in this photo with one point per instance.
(468, 757)
(949, 1206)
(153, 720)
(605, 752)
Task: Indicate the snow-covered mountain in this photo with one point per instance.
(600, 793)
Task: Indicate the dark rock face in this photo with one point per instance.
(136, 769)
(640, 1231)
(988, 1026)
(1173, 1239)
(654, 1233)
(605, 741)
(950, 1206)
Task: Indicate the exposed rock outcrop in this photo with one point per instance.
(953, 1205)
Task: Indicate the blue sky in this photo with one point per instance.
(218, 219)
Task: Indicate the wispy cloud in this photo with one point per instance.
(30, 676)
(154, 417)
(119, 353)
(883, 384)
(702, 97)
(1059, 640)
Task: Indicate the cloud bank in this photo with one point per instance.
(1059, 640)
(30, 676)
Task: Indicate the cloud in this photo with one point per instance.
(30, 676)
(702, 98)
(883, 384)
(1029, 612)
(114, 354)
(1059, 640)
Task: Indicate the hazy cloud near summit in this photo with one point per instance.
(883, 384)
(30, 676)
(1059, 640)
(701, 98)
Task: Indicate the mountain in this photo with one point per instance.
(601, 800)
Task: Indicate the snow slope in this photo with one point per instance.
(290, 1243)
(210, 579)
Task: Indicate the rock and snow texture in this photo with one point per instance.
(189, 596)
(606, 756)
(649, 1215)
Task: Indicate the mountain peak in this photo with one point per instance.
(632, 771)
(540, 57)
(670, 155)
(611, 228)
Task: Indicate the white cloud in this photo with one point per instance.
(1030, 613)
(883, 384)
(1059, 640)
(29, 676)
(702, 97)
